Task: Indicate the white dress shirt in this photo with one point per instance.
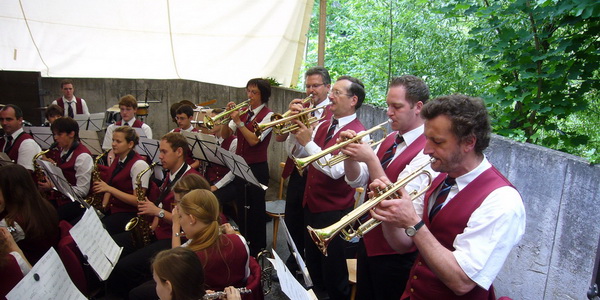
(73, 104)
(28, 149)
(107, 143)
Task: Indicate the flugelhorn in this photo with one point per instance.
(285, 124)
(223, 118)
(277, 116)
(322, 237)
(303, 162)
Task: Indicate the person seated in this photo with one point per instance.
(13, 263)
(184, 116)
(53, 112)
(178, 275)
(32, 219)
(119, 182)
(76, 163)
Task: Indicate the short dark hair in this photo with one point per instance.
(54, 110)
(176, 140)
(128, 101)
(18, 111)
(263, 86)
(130, 134)
(67, 125)
(469, 117)
(185, 109)
(416, 89)
(319, 71)
(357, 88)
(66, 81)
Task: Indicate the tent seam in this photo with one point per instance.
(171, 39)
(32, 39)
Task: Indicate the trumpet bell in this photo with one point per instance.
(320, 237)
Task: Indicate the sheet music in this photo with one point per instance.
(90, 139)
(82, 121)
(239, 167)
(41, 135)
(297, 256)
(94, 242)
(289, 285)
(48, 279)
(140, 132)
(95, 122)
(203, 146)
(55, 175)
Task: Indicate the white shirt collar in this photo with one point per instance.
(72, 101)
(412, 135)
(464, 180)
(15, 134)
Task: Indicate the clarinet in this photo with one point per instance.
(218, 295)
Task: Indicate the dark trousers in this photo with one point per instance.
(329, 272)
(294, 214)
(251, 217)
(133, 267)
(382, 277)
(115, 223)
(227, 196)
(71, 212)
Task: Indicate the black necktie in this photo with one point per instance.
(250, 114)
(71, 114)
(9, 140)
(389, 154)
(442, 195)
(126, 123)
(120, 166)
(331, 130)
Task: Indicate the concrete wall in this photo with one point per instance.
(555, 258)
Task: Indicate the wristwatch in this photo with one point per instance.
(240, 124)
(161, 213)
(412, 230)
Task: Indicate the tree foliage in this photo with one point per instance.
(534, 62)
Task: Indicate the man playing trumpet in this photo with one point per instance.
(382, 272)
(471, 216)
(327, 196)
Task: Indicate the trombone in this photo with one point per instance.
(223, 118)
(283, 125)
(303, 162)
(277, 116)
(322, 237)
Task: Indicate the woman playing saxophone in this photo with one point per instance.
(118, 181)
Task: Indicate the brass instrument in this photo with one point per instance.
(95, 199)
(322, 237)
(223, 118)
(303, 162)
(142, 233)
(266, 270)
(285, 124)
(37, 169)
(219, 295)
(277, 116)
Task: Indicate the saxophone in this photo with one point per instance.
(95, 199)
(141, 231)
(37, 169)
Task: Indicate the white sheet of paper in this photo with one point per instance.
(299, 260)
(239, 167)
(94, 242)
(289, 285)
(41, 135)
(55, 175)
(53, 281)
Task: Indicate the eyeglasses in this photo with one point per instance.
(314, 86)
(337, 93)
(253, 92)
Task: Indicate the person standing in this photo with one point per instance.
(71, 105)
(471, 216)
(382, 272)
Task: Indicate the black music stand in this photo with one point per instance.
(149, 147)
(41, 135)
(95, 122)
(301, 265)
(203, 146)
(59, 181)
(90, 140)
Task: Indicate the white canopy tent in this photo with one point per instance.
(225, 42)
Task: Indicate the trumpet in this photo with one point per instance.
(322, 237)
(277, 116)
(223, 118)
(284, 125)
(303, 162)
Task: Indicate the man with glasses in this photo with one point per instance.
(318, 83)
(327, 197)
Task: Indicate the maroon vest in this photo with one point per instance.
(447, 224)
(257, 153)
(137, 123)
(375, 242)
(215, 172)
(164, 230)
(13, 152)
(78, 106)
(68, 169)
(323, 193)
(224, 262)
(122, 182)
